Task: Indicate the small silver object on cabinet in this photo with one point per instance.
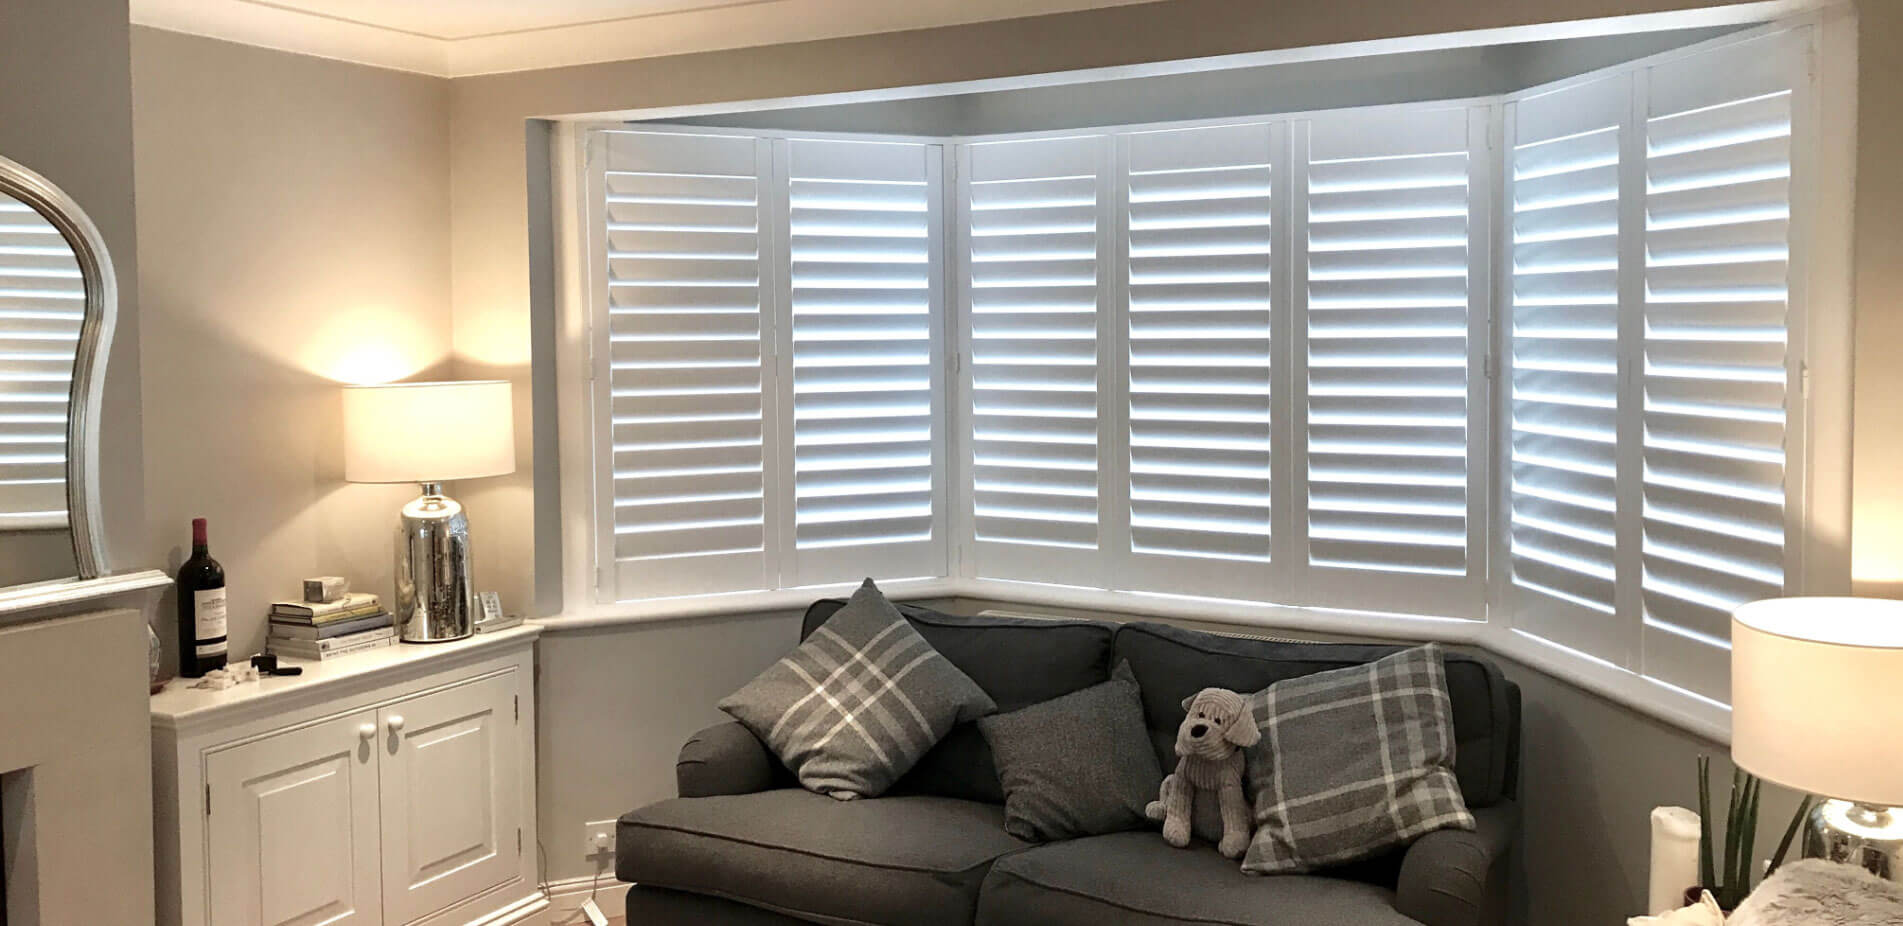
(1864, 835)
(435, 601)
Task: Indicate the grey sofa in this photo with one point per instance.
(743, 844)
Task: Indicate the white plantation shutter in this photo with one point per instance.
(1392, 229)
(1716, 357)
(42, 307)
(865, 287)
(1652, 357)
(1198, 316)
(688, 348)
(1562, 381)
(1037, 265)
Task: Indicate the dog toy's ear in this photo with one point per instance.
(1187, 702)
(1242, 729)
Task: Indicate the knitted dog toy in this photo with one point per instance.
(1209, 748)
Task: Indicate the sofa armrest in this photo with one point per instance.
(724, 759)
(1459, 878)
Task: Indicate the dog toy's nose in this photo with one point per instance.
(1198, 730)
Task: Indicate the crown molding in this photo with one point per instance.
(712, 28)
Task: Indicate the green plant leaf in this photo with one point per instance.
(1790, 833)
(1707, 867)
(1733, 820)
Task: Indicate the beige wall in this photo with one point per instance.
(66, 112)
(293, 214)
(1877, 465)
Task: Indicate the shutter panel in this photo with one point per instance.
(1563, 367)
(1718, 204)
(1200, 301)
(688, 393)
(42, 307)
(1036, 269)
(1387, 315)
(864, 288)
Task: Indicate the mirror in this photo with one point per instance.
(57, 300)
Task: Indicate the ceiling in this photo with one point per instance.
(462, 19)
(457, 38)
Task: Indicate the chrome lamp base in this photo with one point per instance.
(435, 599)
(1864, 835)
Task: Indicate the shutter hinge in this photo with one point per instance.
(208, 799)
(1803, 378)
(1486, 366)
(518, 842)
(518, 708)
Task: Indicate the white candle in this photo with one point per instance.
(1674, 857)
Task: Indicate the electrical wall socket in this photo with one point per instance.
(599, 840)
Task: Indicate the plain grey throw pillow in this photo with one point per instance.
(1076, 765)
(1353, 762)
(858, 703)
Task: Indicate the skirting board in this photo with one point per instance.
(529, 911)
(565, 898)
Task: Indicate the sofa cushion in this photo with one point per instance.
(1017, 661)
(1172, 663)
(1135, 878)
(1352, 762)
(914, 859)
(857, 704)
(1076, 765)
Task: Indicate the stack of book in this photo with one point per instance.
(312, 630)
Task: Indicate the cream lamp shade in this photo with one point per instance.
(1817, 695)
(428, 432)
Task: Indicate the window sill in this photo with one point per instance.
(755, 602)
(1680, 709)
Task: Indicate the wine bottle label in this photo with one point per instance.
(208, 612)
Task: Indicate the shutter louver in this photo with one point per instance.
(1563, 388)
(1199, 313)
(1717, 215)
(1035, 210)
(685, 328)
(864, 288)
(42, 308)
(1386, 323)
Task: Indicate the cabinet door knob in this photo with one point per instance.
(367, 731)
(395, 722)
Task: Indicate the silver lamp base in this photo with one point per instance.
(1864, 835)
(435, 599)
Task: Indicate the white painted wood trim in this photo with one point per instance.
(186, 709)
(128, 589)
(565, 897)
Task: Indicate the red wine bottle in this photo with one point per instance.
(201, 609)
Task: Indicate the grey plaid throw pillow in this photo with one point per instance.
(1353, 762)
(856, 705)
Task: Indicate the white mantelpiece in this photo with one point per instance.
(139, 591)
(75, 750)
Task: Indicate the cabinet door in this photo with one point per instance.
(293, 826)
(452, 796)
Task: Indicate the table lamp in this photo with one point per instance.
(430, 433)
(1817, 705)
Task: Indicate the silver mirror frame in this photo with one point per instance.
(83, 515)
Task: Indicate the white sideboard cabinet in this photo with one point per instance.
(387, 788)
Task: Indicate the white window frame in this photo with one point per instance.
(1818, 457)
